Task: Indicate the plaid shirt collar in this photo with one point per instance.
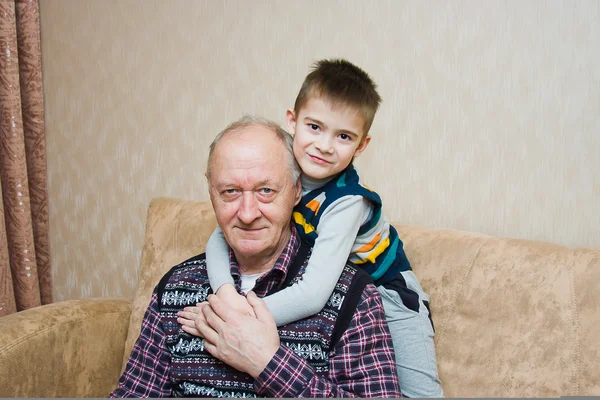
(274, 278)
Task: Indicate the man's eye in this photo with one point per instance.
(229, 193)
(266, 190)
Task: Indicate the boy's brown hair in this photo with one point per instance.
(341, 82)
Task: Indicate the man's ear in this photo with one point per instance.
(298, 189)
(362, 146)
(290, 118)
(207, 182)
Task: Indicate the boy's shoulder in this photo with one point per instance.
(349, 183)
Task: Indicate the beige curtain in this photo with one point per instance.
(25, 278)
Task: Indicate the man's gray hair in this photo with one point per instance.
(249, 120)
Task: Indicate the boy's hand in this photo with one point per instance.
(233, 299)
(191, 317)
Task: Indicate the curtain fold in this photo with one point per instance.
(25, 276)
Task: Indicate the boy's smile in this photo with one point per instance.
(326, 137)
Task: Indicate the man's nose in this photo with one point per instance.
(249, 208)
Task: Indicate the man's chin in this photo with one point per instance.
(249, 247)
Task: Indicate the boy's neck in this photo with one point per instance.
(309, 183)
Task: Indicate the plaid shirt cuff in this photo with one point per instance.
(286, 375)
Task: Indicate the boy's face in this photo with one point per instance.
(326, 138)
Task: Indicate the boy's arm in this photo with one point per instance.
(217, 260)
(362, 364)
(337, 230)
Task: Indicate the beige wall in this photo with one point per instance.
(490, 120)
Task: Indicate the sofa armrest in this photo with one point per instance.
(66, 349)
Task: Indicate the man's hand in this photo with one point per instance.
(190, 316)
(243, 342)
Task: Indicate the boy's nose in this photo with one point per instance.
(323, 144)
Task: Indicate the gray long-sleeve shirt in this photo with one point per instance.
(337, 231)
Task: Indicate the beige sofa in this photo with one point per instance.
(514, 318)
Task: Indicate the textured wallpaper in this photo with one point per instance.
(490, 119)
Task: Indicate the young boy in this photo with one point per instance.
(331, 119)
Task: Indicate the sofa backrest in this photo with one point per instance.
(513, 318)
(175, 231)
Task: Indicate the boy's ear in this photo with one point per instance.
(290, 118)
(361, 147)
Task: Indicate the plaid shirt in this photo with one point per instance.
(361, 364)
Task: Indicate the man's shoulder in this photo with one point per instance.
(197, 261)
(362, 286)
(359, 293)
(191, 271)
(364, 295)
(356, 278)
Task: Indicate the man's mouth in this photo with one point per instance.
(249, 229)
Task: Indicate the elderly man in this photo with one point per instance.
(343, 351)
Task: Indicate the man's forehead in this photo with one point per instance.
(249, 166)
(250, 178)
(252, 132)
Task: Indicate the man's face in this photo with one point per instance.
(253, 195)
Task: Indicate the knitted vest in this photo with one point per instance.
(195, 373)
(378, 249)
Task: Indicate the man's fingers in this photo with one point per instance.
(219, 308)
(260, 308)
(184, 321)
(191, 330)
(213, 320)
(191, 315)
(205, 330)
(211, 348)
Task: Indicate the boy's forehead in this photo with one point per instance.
(334, 106)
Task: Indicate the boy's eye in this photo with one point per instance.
(314, 127)
(344, 136)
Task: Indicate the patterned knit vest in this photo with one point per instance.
(382, 256)
(195, 373)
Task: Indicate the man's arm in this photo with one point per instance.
(147, 370)
(361, 365)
